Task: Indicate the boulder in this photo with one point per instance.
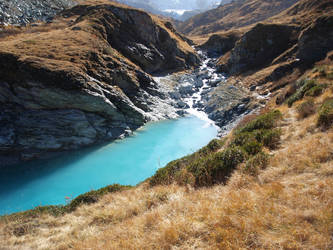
(175, 95)
(182, 105)
(198, 83)
(186, 89)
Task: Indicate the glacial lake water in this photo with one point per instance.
(128, 162)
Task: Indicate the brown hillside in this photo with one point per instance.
(237, 14)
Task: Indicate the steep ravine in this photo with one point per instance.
(94, 82)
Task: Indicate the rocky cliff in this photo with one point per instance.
(260, 46)
(221, 43)
(86, 82)
(289, 42)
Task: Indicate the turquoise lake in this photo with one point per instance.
(128, 162)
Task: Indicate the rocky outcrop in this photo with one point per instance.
(27, 11)
(87, 83)
(316, 40)
(135, 34)
(219, 44)
(260, 46)
(227, 102)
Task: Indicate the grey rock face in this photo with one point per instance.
(226, 103)
(219, 44)
(26, 11)
(35, 120)
(260, 46)
(316, 40)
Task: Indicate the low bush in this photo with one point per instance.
(262, 130)
(94, 195)
(330, 75)
(270, 137)
(265, 121)
(325, 119)
(252, 147)
(226, 161)
(316, 90)
(302, 87)
(306, 109)
(168, 174)
(255, 163)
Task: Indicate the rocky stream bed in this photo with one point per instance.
(206, 93)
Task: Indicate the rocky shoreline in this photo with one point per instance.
(202, 92)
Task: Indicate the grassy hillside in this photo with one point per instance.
(234, 15)
(271, 196)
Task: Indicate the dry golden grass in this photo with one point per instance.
(288, 205)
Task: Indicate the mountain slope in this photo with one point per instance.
(283, 201)
(236, 14)
(297, 37)
(84, 78)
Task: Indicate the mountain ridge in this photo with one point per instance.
(234, 15)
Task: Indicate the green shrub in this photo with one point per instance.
(330, 75)
(271, 138)
(306, 109)
(165, 175)
(202, 170)
(212, 146)
(170, 173)
(242, 138)
(255, 163)
(252, 147)
(316, 90)
(265, 121)
(325, 119)
(259, 132)
(93, 196)
(215, 144)
(225, 162)
(184, 177)
(248, 142)
(303, 87)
